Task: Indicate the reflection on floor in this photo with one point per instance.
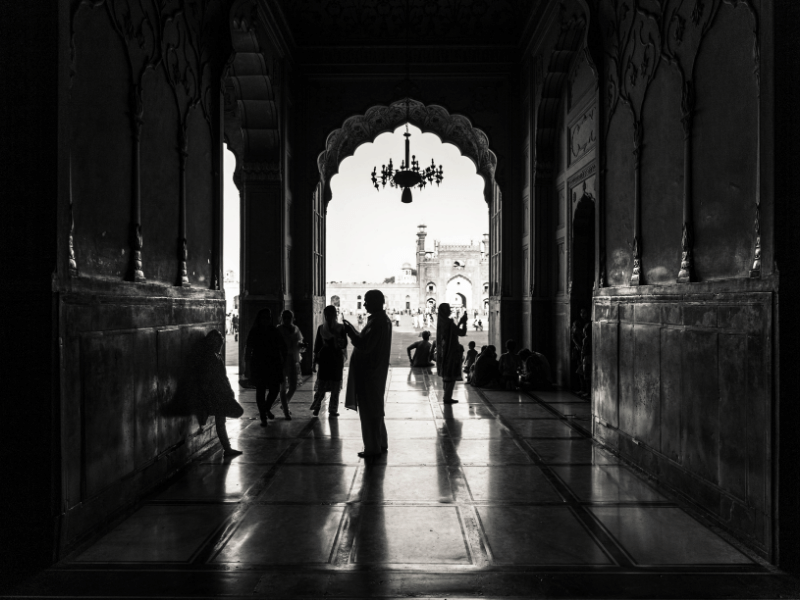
(501, 494)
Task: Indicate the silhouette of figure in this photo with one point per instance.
(449, 353)
(470, 357)
(330, 352)
(509, 366)
(487, 372)
(422, 351)
(369, 368)
(265, 355)
(576, 344)
(294, 345)
(471, 374)
(213, 388)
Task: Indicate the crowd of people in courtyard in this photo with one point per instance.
(273, 354)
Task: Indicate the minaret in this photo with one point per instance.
(421, 234)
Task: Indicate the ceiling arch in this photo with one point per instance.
(567, 46)
(454, 129)
(251, 113)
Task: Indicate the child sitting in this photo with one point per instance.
(469, 359)
(509, 366)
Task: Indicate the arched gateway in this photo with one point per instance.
(450, 128)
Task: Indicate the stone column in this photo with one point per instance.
(262, 239)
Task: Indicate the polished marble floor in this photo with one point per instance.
(502, 494)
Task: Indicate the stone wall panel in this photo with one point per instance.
(725, 167)
(694, 397)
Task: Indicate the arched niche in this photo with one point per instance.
(570, 41)
(251, 112)
(453, 129)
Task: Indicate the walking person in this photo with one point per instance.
(265, 355)
(213, 388)
(293, 339)
(449, 352)
(369, 368)
(330, 353)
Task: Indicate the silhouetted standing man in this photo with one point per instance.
(369, 368)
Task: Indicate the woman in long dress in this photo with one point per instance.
(330, 353)
(449, 352)
(265, 355)
(213, 388)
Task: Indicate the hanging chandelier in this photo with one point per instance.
(409, 174)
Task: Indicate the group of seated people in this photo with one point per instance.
(525, 369)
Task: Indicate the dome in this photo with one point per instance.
(406, 265)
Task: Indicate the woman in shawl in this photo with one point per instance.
(486, 373)
(213, 388)
(265, 355)
(330, 353)
(449, 353)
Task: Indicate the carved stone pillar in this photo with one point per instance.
(135, 270)
(262, 240)
(73, 263)
(685, 275)
(636, 276)
(183, 251)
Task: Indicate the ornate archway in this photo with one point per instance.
(453, 129)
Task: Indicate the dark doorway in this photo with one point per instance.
(582, 275)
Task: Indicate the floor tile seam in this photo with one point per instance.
(473, 535)
(344, 520)
(207, 551)
(584, 432)
(683, 503)
(607, 543)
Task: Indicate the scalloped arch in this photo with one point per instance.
(453, 129)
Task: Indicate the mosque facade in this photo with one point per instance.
(454, 273)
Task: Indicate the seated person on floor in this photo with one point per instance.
(523, 357)
(471, 373)
(536, 372)
(423, 355)
(469, 358)
(510, 366)
(486, 373)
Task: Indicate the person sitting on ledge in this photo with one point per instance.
(423, 351)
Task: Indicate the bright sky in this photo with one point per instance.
(370, 233)
(230, 215)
